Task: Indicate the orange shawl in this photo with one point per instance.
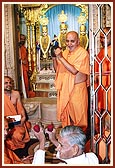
(10, 157)
(106, 79)
(101, 146)
(9, 108)
(24, 57)
(64, 80)
(16, 141)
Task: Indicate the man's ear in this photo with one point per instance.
(75, 150)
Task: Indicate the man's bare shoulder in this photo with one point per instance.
(16, 93)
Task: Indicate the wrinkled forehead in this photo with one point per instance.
(72, 36)
(62, 140)
(7, 79)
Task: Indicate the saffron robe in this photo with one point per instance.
(102, 146)
(25, 67)
(20, 133)
(10, 157)
(25, 71)
(106, 78)
(72, 99)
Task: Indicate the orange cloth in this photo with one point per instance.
(25, 67)
(24, 57)
(101, 147)
(25, 70)
(31, 94)
(20, 133)
(66, 96)
(106, 78)
(10, 157)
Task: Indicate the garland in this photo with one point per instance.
(44, 52)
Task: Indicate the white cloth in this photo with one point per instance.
(84, 159)
(39, 157)
(23, 85)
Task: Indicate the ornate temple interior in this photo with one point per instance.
(45, 25)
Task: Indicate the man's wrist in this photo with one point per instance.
(42, 145)
(59, 57)
(55, 142)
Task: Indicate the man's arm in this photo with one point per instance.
(23, 117)
(52, 137)
(54, 63)
(54, 57)
(66, 64)
(39, 156)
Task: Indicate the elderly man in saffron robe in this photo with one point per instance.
(72, 69)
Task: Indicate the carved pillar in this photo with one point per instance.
(28, 44)
(37, 31)
(104, 16)
(34, 48)
(108, 15)
(9, 47)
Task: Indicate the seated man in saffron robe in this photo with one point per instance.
(12, 107)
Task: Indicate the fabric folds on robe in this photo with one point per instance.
(20, 133)
(64, 83)
(106, 78)
(10, 157)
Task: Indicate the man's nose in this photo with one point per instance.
(69, 43)
(9, 83)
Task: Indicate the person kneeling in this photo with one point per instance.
(70, 146)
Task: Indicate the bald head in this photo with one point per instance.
(7, 77)
(73, 33)
(7, 84)
(72, 40)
